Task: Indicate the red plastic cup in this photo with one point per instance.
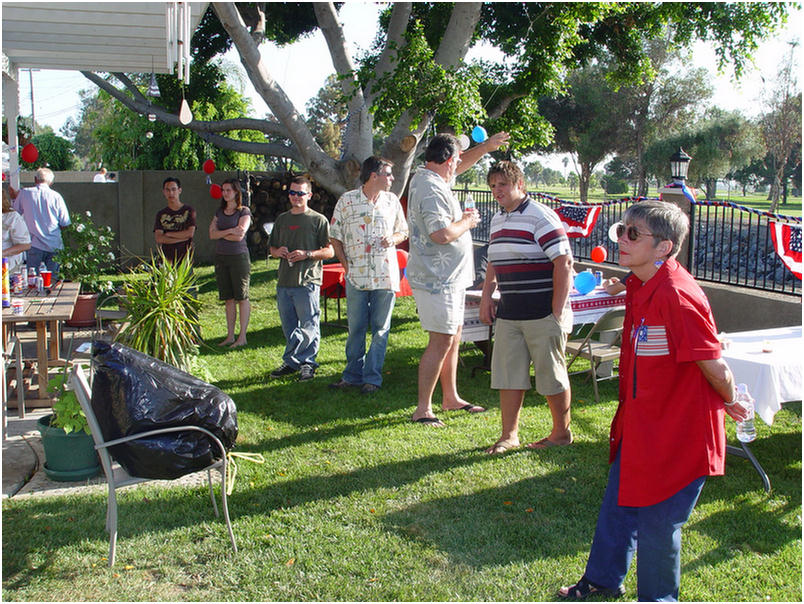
(46, 277)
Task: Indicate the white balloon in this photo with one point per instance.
(613, 232)
(464, 140)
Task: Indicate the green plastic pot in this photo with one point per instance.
(68, 457)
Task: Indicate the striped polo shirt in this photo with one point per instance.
(522, 247)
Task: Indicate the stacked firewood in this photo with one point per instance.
(269, 198)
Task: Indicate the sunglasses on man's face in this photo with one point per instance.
(293, 193)
(631, 231)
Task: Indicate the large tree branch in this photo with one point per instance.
(273, 149)
(458, 35)
(394, 42)
(357, 139)
(140, 104)
(322, 167)
(400, 146)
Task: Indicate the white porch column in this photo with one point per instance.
(11, 95)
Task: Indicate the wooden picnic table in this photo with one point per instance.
(46, 311)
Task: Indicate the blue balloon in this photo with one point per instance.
(479, 134)
(584, 282)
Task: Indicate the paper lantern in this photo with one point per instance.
(185, 115)
(216, 192)
(29, 153)
(584, 282)
(599, 254)
(209, 166)
(479, 134)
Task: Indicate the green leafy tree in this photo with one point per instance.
(720, 143)
(415, 77)
(781, 126)
(55, 152)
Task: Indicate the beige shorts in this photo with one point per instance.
(442, 312)
(517, 344)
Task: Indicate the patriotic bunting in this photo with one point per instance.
(578, 221)
(787, 243)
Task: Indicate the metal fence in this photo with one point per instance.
(731, 244)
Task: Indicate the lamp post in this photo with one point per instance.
(679, 165)
(677, 193)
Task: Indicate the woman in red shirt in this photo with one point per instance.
(668, 434)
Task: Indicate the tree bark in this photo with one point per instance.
(321, 166)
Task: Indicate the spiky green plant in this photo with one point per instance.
(163, 311)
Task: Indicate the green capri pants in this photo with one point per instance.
(233, 273)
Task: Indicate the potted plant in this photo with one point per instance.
(69, 448)
(87, 254)
(163, 307)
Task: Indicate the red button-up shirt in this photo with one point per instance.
(669, 425)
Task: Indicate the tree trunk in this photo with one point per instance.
(711, 188)
(583, 181)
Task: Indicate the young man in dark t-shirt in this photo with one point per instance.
(300, 239)
(175, 224)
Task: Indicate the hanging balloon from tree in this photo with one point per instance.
(29, 153)
(209, 168)
(479, 134)
(216, 192)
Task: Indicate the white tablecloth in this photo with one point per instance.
(772, 377)
(586, 308)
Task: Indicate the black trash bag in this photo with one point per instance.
(134, 393)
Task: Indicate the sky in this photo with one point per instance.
(302, 68)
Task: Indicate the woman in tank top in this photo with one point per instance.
(232, 262)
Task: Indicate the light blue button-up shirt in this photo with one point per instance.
(45, 214)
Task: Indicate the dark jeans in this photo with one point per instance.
(653, 531)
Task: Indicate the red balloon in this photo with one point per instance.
(209, 166)
(29, 153)
(598, 254)
(216, 192)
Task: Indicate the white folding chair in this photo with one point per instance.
(599, 351)
(117, 477)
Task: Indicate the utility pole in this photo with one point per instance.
(33, 114)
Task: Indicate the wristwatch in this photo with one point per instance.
(309, 254)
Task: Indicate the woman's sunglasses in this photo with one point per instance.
(618, 229)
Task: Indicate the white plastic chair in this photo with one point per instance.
(117, 477)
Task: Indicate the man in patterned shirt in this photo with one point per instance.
(367, 225)
(530, 261)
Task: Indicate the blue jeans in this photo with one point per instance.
(367, 309)
(299, 312)
(36, 257)
(654, 531)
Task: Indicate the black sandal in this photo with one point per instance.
(585, 588)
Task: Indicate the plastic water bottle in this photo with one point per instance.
(469, 202)
(746, 431)
(42, 267)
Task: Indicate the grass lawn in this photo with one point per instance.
(356, 503)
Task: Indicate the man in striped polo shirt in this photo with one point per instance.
(530, 261)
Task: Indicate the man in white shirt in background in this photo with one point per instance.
(45, 214)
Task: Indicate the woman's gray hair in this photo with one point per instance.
(665, 220)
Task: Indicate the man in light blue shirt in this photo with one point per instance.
(45, 214)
